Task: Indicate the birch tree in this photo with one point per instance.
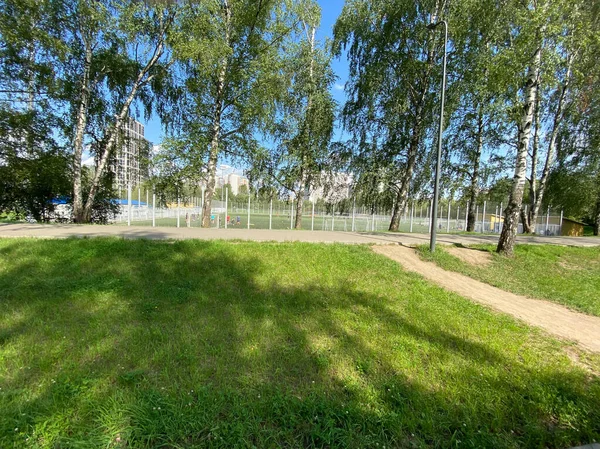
(393, 60)
(132, 66)
(530, 25)
(554, 99)
(230, 51)
(306, 115)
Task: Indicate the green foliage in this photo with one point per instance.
(390, 101)
(307, 113)
(230, 55)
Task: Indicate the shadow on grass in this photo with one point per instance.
(109, 343)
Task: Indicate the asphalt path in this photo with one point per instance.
(264, 235)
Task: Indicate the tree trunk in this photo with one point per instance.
(141, 80)
(299, 205)
(82, 115)
(212, 166)
(597, 217)
(510, 226)
(529, 220)
(474, 188)
(213, 157)
(550, 156)
(402, 195)
(304, 168)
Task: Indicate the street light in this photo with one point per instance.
(438, 164)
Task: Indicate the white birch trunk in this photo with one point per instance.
(142, 79)
(213, 157)
(551, 154)
(82, 116)
(512, 212)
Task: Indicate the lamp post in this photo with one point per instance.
(439, 152)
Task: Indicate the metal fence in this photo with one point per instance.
(255, 214)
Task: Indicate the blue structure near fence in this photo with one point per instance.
(133, 203)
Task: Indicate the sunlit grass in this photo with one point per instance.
(139, 344)
(566, 275)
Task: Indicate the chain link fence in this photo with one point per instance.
(256, 214)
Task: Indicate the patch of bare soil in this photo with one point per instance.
(554, 318)
(470, 255)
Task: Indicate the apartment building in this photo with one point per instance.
(131, 160)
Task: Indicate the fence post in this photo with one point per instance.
(202, 203)
(547, 221)
(271, 214)
(412, 215)
(483, 218)
(178, 205)
(448, 224)
(292, 215)
(561, 223)
(457, 216)
(248, 208)
(153, 209)
(353, 213)
(312, 220)
(226, 204)
(430, 213)
(373, 222)
(129, 205)
(476, 217)
(333, 218)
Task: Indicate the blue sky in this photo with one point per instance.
(330, 10)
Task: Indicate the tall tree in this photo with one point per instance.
(306, 114)
(230, 51)
(122, 54)
(477, 121)
(392, 58)
(529, 25)
(533, 34)
(554, 100)
(33, 168)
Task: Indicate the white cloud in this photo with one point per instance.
(338, 86)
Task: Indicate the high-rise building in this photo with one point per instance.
(131, 161)
(234, 182)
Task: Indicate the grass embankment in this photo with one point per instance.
(139, 344)
(566, 275)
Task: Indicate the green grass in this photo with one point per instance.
(110, 343)
(566, 275)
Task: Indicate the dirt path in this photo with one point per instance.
(553, 318)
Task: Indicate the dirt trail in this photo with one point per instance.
(553, 318)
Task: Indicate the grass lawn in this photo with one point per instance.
(137, 344)
(566, 275)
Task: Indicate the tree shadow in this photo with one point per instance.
(194, 344)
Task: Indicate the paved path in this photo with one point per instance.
(261, 235)
(553, 318)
